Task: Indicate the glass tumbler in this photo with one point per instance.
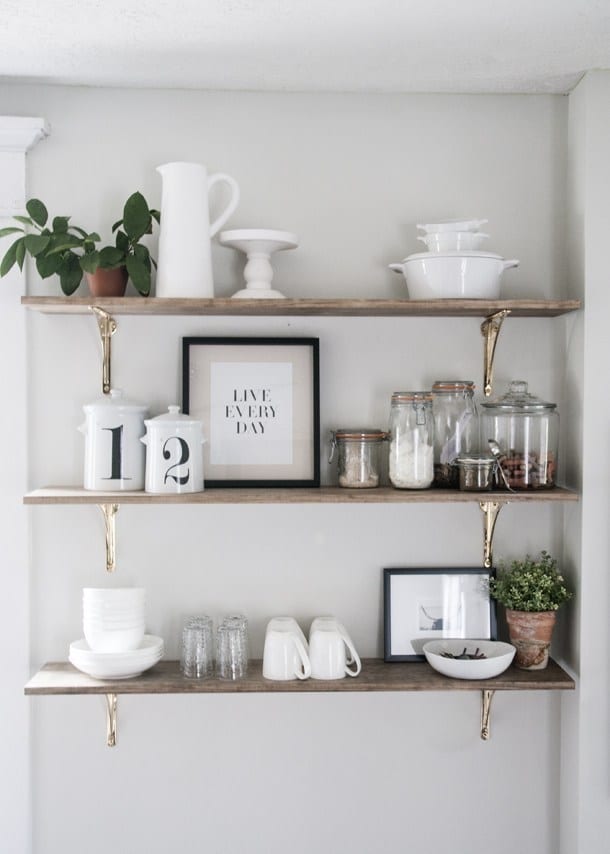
(197, 655)
(231, 651)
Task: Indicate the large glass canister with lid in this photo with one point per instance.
(456, 427)
(411, 458)
(526, 430)
(357, 456)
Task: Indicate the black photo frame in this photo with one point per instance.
(259, 402)
(434, 603)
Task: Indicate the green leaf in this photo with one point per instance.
(65, 241)
(143, 255)
(10, 230)
(60, 224)
(70, 273)
(36, 243)
(136, 217)
(80, 231)
(21, 254)
(117, 224)
(139, 275)
(10, 257)
(111, 257)
(94, 236)
(24, 219)
(156, 215)
(48, 265)
(37, 211)
(90, 262)
(122, 242)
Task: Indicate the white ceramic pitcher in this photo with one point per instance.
(184, 256)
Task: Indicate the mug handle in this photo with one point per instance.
(224, 216)
(353, 657)
(305, 673)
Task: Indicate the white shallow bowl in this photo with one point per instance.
(453, 241)
(498, 657)
(453, 275)
(452, 225)
(125, 665)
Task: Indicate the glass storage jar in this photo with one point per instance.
(526, 430)
(456, 427)
(357, 456)
(411, 460)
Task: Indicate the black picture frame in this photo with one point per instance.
(267, 388)
(421, 604)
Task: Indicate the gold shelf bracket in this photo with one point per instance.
(486, 698)
(490, 511)
(111, 719)
(490, 329)
(107, 326)
(109, 512)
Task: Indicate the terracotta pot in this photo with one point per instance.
(531, 632)
(108, 282)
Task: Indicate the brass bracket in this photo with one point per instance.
(111, 718)
(109, 512)
(490, 510)
(490, 329)
(107, 327)
(486, 698)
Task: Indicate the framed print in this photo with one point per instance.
(426, 604)
(259, 402)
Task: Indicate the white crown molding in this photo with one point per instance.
(20, 133)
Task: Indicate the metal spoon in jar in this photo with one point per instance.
(496, 450)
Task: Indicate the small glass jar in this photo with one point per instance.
(411, 440)
(357, 456)
(476, 472)
(526, 430)
(456, 427)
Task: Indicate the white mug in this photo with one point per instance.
(285, 656)
(328, 646)
(329, 622)
(288, 623)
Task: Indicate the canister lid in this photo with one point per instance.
(411, 396)
(518, 399)
(173, 416)
(356, 434)
(115, 400)
(475, 460)
(441, 386)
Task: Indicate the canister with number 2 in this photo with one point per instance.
(174, 453)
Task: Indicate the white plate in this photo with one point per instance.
(498, 656)
(113, 665)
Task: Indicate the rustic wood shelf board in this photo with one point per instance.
(314, 495)
(302, 307)
(376, 675)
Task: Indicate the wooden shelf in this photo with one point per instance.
(376, 675)
(273, 495)
(302, 307)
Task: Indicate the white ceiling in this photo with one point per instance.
(307, 45)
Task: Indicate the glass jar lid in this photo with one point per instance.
(482, 461)
(518, 399)
(355, 434)
(449, 386)
(411, 396)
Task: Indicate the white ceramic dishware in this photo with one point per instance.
(497, 657)
(285, 624)
(453, 241)
(285, 657)
(258, 244)
(452, 225)
(104, 665)
(114, 618)
(453, 275)
(174, 453)
(184, 266)
(328, 647)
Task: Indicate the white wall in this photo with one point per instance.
(351, 175)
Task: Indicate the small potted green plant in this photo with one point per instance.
(531, 590)
(68, 251)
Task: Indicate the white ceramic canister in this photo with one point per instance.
(174, 453)
(114, 456)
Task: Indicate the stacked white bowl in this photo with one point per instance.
(456, 235)
(114, 618)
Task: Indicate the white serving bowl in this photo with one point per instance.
(102, 665)
(498, 657)
(453, 241)
(453, 275)
(452, 225)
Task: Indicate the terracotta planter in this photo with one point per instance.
(531, 632)
(108, 282)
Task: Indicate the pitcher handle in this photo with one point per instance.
(306, 672)
(234, 201)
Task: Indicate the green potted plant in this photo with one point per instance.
(68, 251)
(531, 590)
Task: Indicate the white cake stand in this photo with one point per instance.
(259, 244)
